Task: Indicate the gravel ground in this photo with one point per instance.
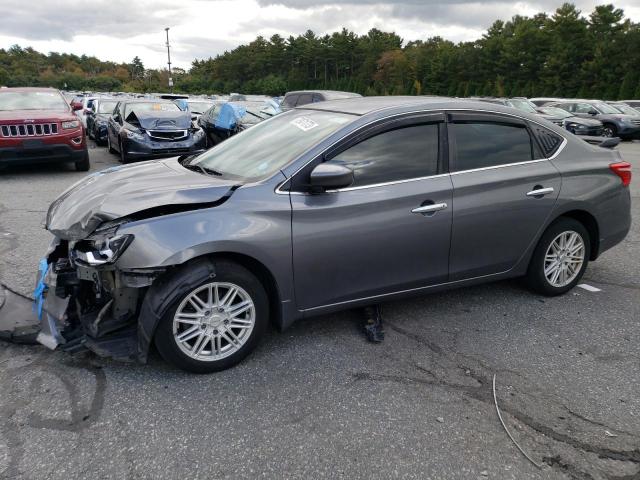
(319, 402)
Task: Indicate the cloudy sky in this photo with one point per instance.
(120, 29)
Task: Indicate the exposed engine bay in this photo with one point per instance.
(89, 308)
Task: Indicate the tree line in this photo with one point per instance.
(565, 54)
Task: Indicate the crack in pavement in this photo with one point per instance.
(481, 392)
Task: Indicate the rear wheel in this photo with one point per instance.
(216, 324)
(560, 258)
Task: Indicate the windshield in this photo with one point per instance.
(260, 151)
(199, 107)
(627, 109)
(32, 101)
(556, 112)
(106, 107)
(150, 107)
(604, 108)
(523, 105)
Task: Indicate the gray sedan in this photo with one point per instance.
(326, 207)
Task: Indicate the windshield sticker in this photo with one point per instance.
(304, 123)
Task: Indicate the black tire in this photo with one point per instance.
(229, 272)
(535, 277)
(111, 149)
(123, 155)
(84, 164)
(609, 130)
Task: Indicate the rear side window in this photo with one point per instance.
(400, 154)
(488, 144)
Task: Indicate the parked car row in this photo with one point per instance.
(591, 118)
(618, 119)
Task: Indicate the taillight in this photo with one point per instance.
(623, 170)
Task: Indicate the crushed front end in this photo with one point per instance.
(85, 302)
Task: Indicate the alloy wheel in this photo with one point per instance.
(564, 258)
(214, 321)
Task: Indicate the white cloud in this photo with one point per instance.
(118, 30)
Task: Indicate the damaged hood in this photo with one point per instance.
(132, 190)
(159, 120)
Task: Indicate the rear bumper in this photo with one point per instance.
(57, 153)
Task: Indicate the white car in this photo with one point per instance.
(87, 104)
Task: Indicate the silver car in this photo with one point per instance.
(327, 207)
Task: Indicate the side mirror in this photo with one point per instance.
(76, 106)
(329, 176)
(593, 112)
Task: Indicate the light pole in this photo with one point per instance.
(169, 60)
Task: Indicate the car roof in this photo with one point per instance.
(334, 94)
(366, 105)
(146, 100)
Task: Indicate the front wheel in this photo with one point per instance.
(560, 258)
(84, 164)
(214, 325)
(609, 130)
(124, 158)
(111, 149)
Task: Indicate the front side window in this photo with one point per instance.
(399, 154)
(583, 108)
(304, 99)
(488, 144)
(290, 101)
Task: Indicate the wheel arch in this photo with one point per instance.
(159, 297)
(590, 223)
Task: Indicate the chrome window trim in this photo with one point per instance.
(384, 184)
(445, 111)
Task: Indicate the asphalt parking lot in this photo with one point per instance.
(318, 401)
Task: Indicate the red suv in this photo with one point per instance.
(37, 125)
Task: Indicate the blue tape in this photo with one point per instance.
(41, 288)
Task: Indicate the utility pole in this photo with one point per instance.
(169, 60)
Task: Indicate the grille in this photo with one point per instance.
(162, 151)
(635, 122)
(29, 130)
(167, 134)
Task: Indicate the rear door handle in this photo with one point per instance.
(432, 208)
(539, 192)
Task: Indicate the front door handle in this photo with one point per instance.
(432, 208)
(539, 192)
